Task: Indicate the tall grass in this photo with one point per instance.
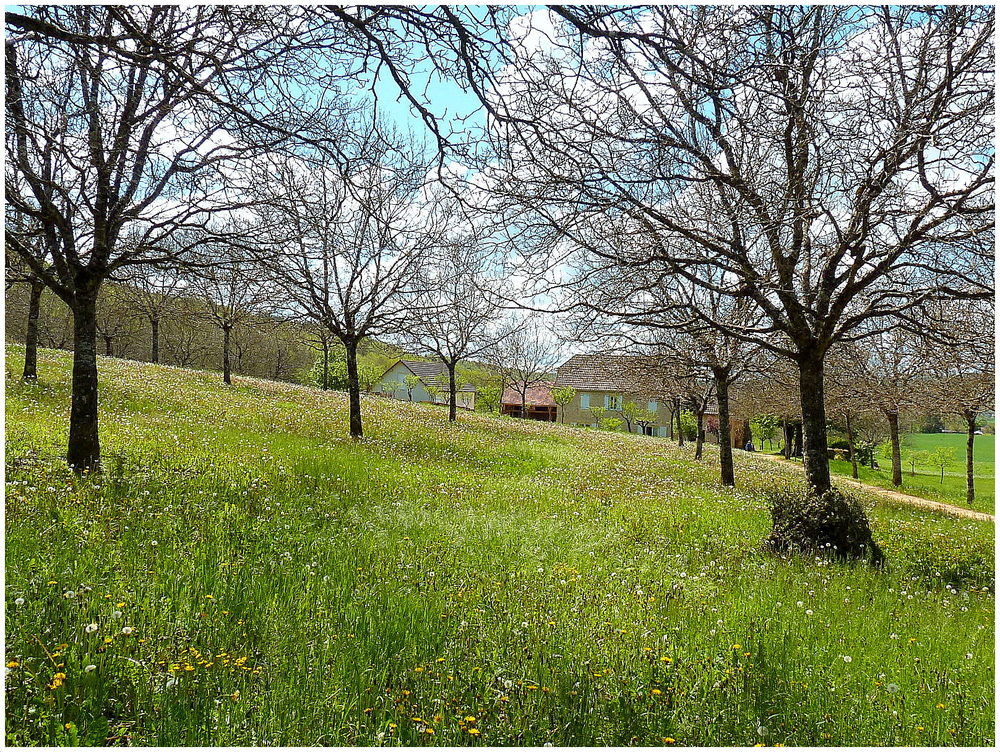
(244, 574)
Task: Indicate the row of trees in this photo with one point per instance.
(723, 188)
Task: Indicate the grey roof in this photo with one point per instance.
(428, 370)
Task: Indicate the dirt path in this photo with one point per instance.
(937, 506)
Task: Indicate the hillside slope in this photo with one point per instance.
(243, 573)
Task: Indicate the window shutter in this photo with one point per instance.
(584, 401)
(607, 401)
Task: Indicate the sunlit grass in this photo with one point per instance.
(255, 577)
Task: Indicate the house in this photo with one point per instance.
(423, 381)
(538, 402)
(609, 382)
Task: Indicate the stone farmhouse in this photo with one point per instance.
(611, 381)
(423, 374)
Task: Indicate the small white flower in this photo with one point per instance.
(524, 624)
(800, 604)
(90, 628)
(89, 668)
(116, 614)
(19, 601)
(893, 687)
(809, 612)
(153, 543)
(968, 656)
(69, 594)
(126, 630)
(894, 636)
(847, 658)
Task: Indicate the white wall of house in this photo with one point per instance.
(396, 377)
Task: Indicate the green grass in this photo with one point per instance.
(982, 451)
(925, 481)
(498, 582)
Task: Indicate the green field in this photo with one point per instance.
(982, 453)
(244, 574)
(925, 481)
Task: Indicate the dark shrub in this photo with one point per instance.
(833, 524)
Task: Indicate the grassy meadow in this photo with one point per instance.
(925, 481)
(243, 573)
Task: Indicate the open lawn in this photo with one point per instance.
(925, 481)
(244, 574)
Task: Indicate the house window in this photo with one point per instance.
(651, 406)
(584, 401)
(612, 402)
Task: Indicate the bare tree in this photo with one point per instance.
(122, 123)
(347, 241)
(458, 317)
(151, 293)
(524, 358)
(890, 372)
(17, 272)
(960, 349)
(233, 294)
(834, 164)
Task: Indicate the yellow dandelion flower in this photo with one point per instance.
(470, 719)
(656, 692)
(668, 740)
(473, 731)
(940, 706)
(418, 669)
(12, 664)
(665, 659)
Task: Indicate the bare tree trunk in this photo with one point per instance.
(680, 427)
(326, 366)
(897, 465)
(227, 375)
(670, 423)
(726, 472)
(700, 438)
(850, 446)
(84, 451)
(109, 346)
(154, 328)
(452, 392)
(814, 455)
(797, 441)
(788, 432)
(970, 475)
(31, 334)
(354, 388)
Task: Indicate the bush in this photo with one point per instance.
(832, 523)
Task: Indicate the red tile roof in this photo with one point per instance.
(538, 395)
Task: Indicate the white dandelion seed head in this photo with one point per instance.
(127, 630)
(90, 628)
(19, 601)
(90, 667)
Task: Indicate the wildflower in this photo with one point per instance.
(12, 664)
(737, 647)
(668, 740)
(847, 658)
(656, 692)
(69, 594)
(892, 687)
(809, 612)
(473, 731)
(90, 628)
(19, 601)
(968, 656)
(666, 659)
(418, 669)
(470, 719)
(116, 614)
(89, 667)
(940, 706)
(108, 640)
